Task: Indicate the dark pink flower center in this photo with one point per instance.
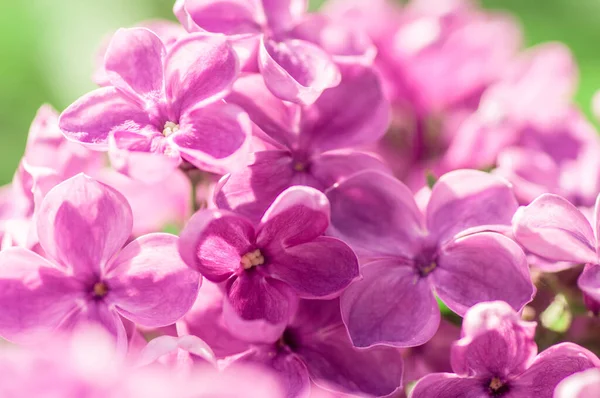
(426, 261)
(497, 387)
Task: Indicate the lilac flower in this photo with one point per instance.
(315, 346)
(407, 255)
(291, 57)
(82, 226)
(554, 229)
(150, 121)
(584, 384)
(266, 268)
(179, 354)
(435, 58)
(496, 357)
(48, 159)
(305, 145)
(168, 32)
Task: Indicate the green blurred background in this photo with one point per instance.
(47, 49)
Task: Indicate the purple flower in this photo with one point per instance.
(163, 106)
(407, 255)
(305, 145)
(584, 384)
(554, 229)
(266, 268)
(277, 36)
(496, 357)
(315, 346)
(88, 275)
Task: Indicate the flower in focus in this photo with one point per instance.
(268, 267)
(88, 276)
(150, 122)
(278, 36)
(308, 145)
(496, 357)
(407, 255)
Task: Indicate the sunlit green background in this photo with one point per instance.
(47, 49)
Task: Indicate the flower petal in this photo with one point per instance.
(468, 198)
(283, 14)
(199, 70)
(82, 224)
(496, 341)
(35, 296)
(376, 215)
(320, 268)
(214, 241)
(448, 385)
(550, 367)
(354, 113)
(556, 230)
(333, 362)
(589, 281)
(149, 283)
(298, 215)
(296, 70)
(134, 63)
(251, 190)
(481, 267)
(145, 158)
(231, 17)
(215, 138)
(257, 307)
(333, 166)
(390, 305)
(584, 384)
(92, 117)
(289, 368)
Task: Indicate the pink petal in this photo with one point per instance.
(589, 281)
(283, 14)
(215, 138)
(468, 198)
(376, 215)
(82, 224)
(551, 367)
(584, 384)
(351, 114)
(556, 230)
(134, 63)
(333, 362)
(390, 305)
(231, 17)
(331, 167)
(276, 118)
(497, 342)
(321, 268)
(258, 308)
(149, 283)
(296, 70)
(199, 70)
(145, 158)
(92, 117)
(251, 190)
(298, 215)
(448, 385)
(481, 267)
(35, 296)
(168, 206)
(214, 241)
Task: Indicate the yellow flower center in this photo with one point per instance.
(170, 128)
(100, 289)
(252, 259)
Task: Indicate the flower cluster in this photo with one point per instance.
(258, 201)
